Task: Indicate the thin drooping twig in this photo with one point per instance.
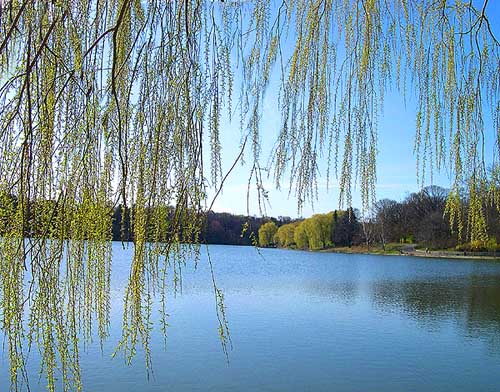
(228, 173)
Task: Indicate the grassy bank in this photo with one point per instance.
(410, 250)
(390, 249)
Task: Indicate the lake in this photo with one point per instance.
(303, 321)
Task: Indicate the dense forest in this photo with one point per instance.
(218, 227)
(421, 218)
(215, 228)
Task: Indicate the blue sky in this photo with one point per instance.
(396, 162)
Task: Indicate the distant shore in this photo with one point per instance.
(405, 250)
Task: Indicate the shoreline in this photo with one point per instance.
(416, 253)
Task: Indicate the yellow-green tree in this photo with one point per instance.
(325, 224)
(266, 234)
(314, 232)
(300, 236)
(285, 235)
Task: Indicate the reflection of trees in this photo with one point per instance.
(484, 303)
(345, 292)
(473, 301)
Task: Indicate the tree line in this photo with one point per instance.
(421, 218)
(424, 218)
(320, 231)
(218, 228)
(214, 227)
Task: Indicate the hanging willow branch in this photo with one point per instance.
(110, 102)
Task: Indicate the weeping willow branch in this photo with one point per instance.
(112, 101)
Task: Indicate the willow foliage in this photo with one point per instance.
(111, 102)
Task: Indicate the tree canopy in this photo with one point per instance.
(113, 102)
(320, 231)
(266, 234)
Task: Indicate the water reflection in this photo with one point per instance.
(344, 292)
(473, 302)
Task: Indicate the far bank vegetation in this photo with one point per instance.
(420, 219)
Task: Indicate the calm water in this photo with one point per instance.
(315, 322)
